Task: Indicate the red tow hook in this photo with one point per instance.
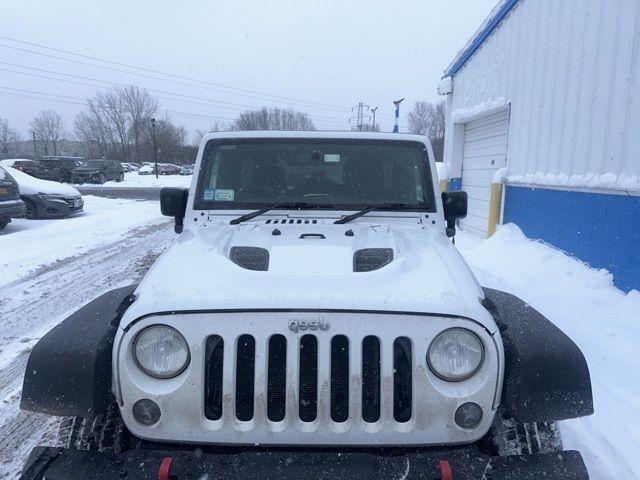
(164, 472)
(445, 470)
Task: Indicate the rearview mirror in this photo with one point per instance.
(173, 203)
(454, 205)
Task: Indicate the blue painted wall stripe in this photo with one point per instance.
(600, 229)
(481, 37)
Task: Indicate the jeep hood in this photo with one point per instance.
(427, 274)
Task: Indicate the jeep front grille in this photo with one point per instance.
(308, 378)
(306, 389)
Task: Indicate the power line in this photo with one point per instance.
(124, 85)
(256, 95)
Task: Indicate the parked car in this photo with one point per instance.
(23, 164)
(147, 170)
(134, 165)
(58, 168)
(186, 169)
(168, 169)
(98, 171)
(44, 198)
(340, 314)
(130, 167)
(11, 206)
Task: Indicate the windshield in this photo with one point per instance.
(340, 174)
(94, 163)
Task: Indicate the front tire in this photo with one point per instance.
(120, 178)
(513, 438)
(104, 432)
(32, 210)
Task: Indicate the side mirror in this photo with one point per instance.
(173, 203)
(454, 204)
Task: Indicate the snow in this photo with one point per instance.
(500, 176)
(465, 114)
(606, 181)
(28, 244)
(133, 180)
(29, 185)
(602, 320)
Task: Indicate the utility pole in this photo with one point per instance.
(360, 115)
(373, 110)
(35, 146)
(397, 105)
(155, 148)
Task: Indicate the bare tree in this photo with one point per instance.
(216, 127)
(429, 119)
(273, 119)
(48, 130)
(8, 138)
(141, 107)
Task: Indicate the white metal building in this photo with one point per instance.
(550, 91)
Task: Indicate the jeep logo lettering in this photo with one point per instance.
(319, 324)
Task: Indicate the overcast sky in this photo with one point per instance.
(322, 55)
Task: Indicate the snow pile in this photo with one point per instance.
(28, 244)
(29, 185)
(132, 179)
(602, 320)
(606, 180)
(463, 114)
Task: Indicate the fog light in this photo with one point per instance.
(147, 412)
(468, 415)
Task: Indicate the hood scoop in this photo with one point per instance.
(251, 258)
(369, 259)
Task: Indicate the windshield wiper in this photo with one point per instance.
(275, 206)
(377, 206)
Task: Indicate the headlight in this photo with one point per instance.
(455, 354)
(160, 351)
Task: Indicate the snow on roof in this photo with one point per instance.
(316, 134)
(499, 12)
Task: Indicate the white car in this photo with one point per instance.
(313, 310)
(146, 170)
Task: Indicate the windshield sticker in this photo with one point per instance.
(222, 195)
(208, 194)
(332, 157)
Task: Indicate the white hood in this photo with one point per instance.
(29, 185)
(427, 273)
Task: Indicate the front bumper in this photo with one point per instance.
(12, 209)
(461, 464)
(58, 207)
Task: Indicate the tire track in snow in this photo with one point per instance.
(32, 305)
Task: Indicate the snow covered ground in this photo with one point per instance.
(602, 320)
(132, 179)
(27, 244)
(51, 268)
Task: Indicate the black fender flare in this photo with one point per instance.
(546, 377)
(69, 370)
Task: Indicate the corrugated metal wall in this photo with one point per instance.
(569, 69)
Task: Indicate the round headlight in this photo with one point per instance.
(161, 351)
(455, 354)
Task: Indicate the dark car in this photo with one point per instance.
(168, 169)
(25, 165)
(98, 171)
(10, 204)
(44, 198)
(57, 168)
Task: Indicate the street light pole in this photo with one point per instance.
(397, 105)
(373, 128)
(155, 148)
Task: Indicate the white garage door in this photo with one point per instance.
(484, 152)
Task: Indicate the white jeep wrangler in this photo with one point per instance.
(312, 319)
